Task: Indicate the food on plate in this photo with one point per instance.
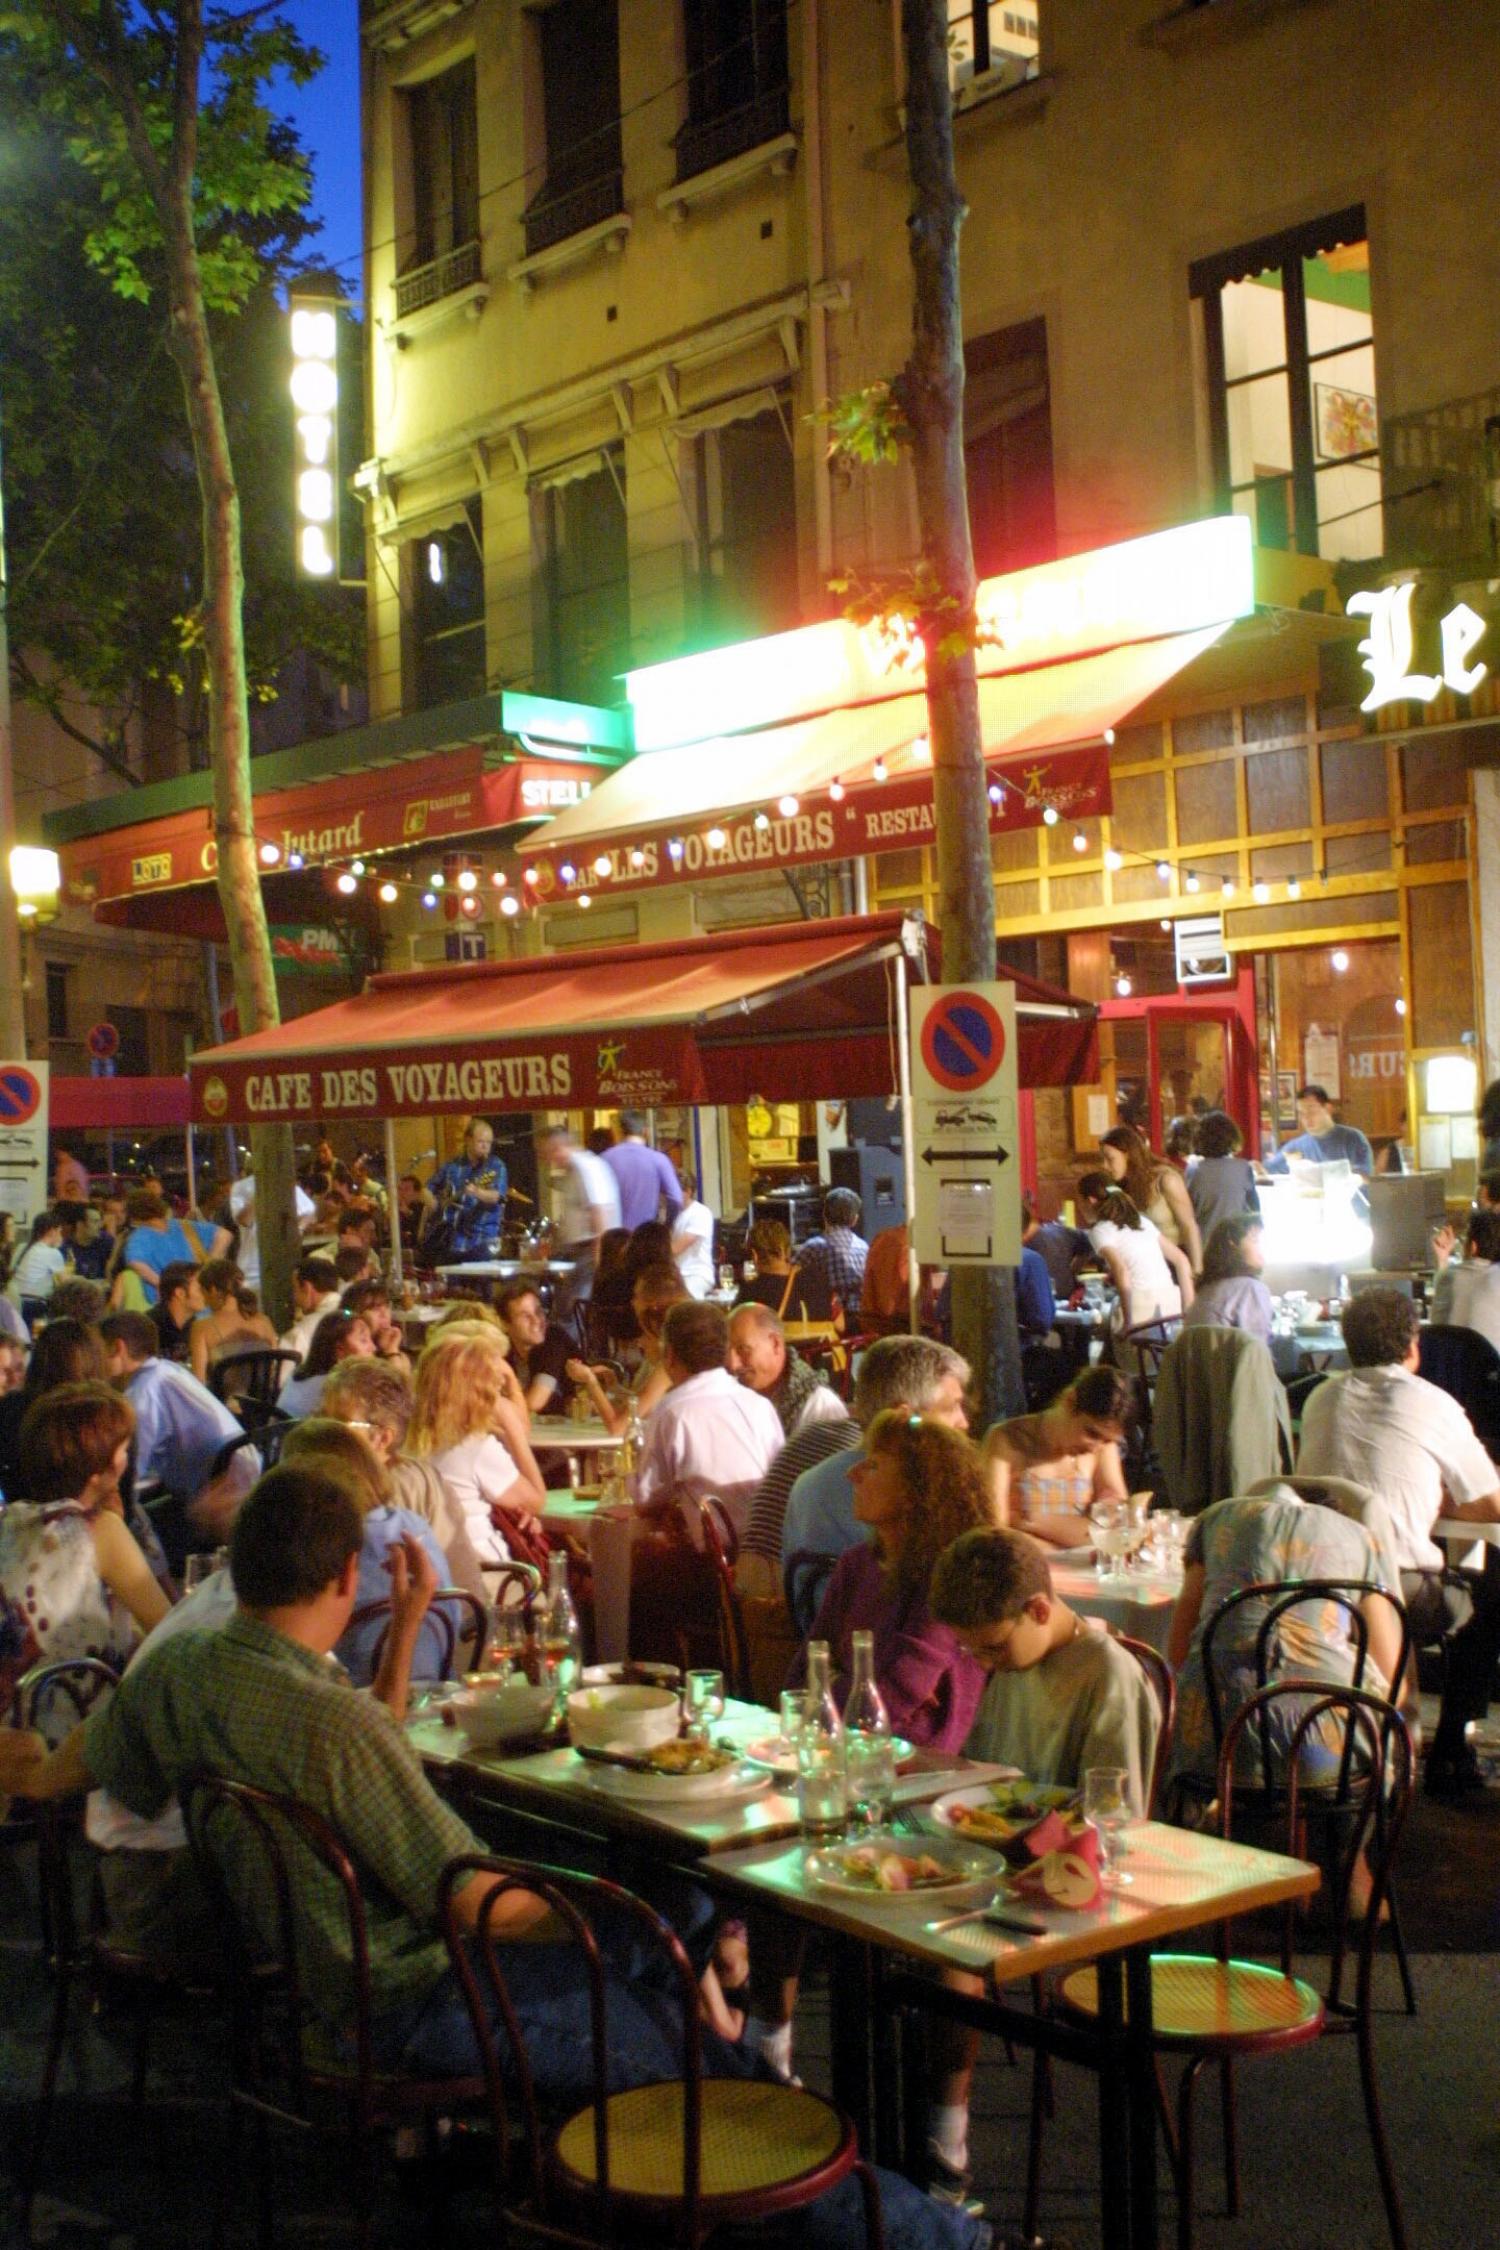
(1065, 1875)
(689, 1757)
(869, 1866)
(1022, 1820)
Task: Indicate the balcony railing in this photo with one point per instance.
(1439, 472)
(552, 217)
(701, 144)
(439, 277)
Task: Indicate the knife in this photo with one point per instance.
(615, 1758)
(994, 1916)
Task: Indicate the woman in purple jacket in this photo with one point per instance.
(917, 1485)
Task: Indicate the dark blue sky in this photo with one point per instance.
(326, 114)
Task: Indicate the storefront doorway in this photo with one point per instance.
(1167, 1053)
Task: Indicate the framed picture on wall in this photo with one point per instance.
(1286, 1100)
(1346, 422)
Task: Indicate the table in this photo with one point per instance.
(1140, 1604)
(1453, 1531)
(560, 1433)
(1182, 1882)
(1309, 1350)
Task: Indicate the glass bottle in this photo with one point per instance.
(562, 1646)
(821, 1787)
(869, 1748)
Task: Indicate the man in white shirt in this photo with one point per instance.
(758, 1355)
(242, 1211)
(1382, 1426)
(709, 1434)
(693, 1240)
(586, 1204)
(1468, 1296)
(315, 1291)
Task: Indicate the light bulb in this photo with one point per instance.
(567, 873)
(270, 855)
(1338, 961)
(429, 898)
(348, 883)
(637, 857)
(878, 769)
(601, 864)
(510, 904)
(994, 792)
(1166, 924)
(529, 875)
(836, 792)
(1080, 841)
(1260, 892)
(788, 806)
(356, 867)
(584, 900)
(388, 894)
(437, 879)
(469, 905)
(1192, 882)
(467, 879)
(762, 821)
(1294, 888)
(1050, 816)
(715, 839)
(1114, 860)
(921, 751)
(1123, 987)
(674, 847)
(1400, 1007)
(498, 878)
(1226, 888)
(295, 859)
(1163, 871)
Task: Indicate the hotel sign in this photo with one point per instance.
(1389, 650)
(315, 395)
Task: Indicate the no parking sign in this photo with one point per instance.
(968, 1202)
(23, 1141)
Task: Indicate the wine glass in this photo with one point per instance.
(1109, 1802)
(702, 1703)
(1114, 1535)
(507, 1645)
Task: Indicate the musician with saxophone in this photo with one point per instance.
(469, 1191)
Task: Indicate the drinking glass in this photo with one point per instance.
(791, 1716)
(198, 1569)
(870, 1767)
(702, 1703)
(1108, 1802)
(1114, 1536)
(507, 1647)
(822, 1794)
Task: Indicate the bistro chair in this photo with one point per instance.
(721, 1549)
(52, 1699)
(673, 2161)
(249, 1383)
(1217, 2008)
(803, 1579)
(458, 1621)
(256, 1854)
(1467, 1366)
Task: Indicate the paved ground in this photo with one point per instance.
(123, 2180)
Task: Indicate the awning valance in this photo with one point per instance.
(860, 778)
(805, 1009)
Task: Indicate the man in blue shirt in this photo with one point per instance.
(469, 1191)
(180, 1427)
(1035, 1304)
(1322, 1139)
(912, 1373)
(643, 1176)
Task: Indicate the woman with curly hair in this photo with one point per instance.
(466, 1422)
(917, 1486)
(1156, 1188)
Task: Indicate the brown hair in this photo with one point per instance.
(947, 1492)
(1140, 1165)
(986, 1578)
(323, 1443)
(68, 1435)
(697, 1335)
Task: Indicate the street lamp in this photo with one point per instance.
(36, 880)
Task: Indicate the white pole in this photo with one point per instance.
(392, 1201)
(192, 1177)
(908, 1148)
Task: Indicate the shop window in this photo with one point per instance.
(585, 571)
(1008, 448)
(736, 80)
(57, 1000)
(133, 1055)
(447, 577)
(443, 143)
(747, 528)
(1289, 359)
(579, 47)
(992, 39)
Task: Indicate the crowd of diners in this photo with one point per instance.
(402, 1471)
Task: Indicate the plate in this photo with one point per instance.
(675, 1788)
(830, 1869)
(780, 1757)
(1012, 1807)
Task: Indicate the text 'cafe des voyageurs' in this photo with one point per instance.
(1236, 815)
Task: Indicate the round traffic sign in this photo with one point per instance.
(963, 1042)
(20, 1095)
(103, 1041)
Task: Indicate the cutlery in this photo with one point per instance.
(623, 1758)
(991, 1914)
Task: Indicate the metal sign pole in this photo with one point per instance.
(393, 1201)
(908, 1150)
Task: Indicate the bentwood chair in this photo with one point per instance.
(456, 1625)
(1217, 2008)
(256, 1854)
(668, 2162)
(721, 1549)
(250, 1382)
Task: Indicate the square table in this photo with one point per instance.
(1182, 1881)
(1140, 1603)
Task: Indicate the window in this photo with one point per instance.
(447, 613)
(57, 1000)
(988, 39)
(465, 945)
(1008, 448)
(585, 572)
(747, 528)
(579, 43)
(1289, 359)
(443, 145)
(737, 80)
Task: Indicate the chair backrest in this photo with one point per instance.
(1467, 1366)
(1379, 1762)
(479, 1956)
(1300, 1389)
(1163, 1684)
(449, 1605)
(1280, 1597)
(721, 1548)
(803, 1578)
(254, 1376)
(76, 1684)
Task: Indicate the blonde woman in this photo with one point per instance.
(465, 1421)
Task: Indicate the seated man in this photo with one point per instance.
(179, 1301)
(709, 1434)
(911, 1372)
(836, 1257)
(315, 1291)
(1061, 1248)
(539, 1353)
(258, 1701)
(1468, 1295)
(1383, 1426)
(180, 1426)
(759, 1356)
(1061, 1698)
(375, 1397)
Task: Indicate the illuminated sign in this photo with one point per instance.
(315, 395)
(1176, 581)
(1391, 645)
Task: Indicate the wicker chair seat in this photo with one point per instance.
(1201, 2001)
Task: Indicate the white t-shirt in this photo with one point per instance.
(242, 1207)
(1151, 1289)
(1408, 1441)
(1468, 1296)
(709, 1435)
(696, 1262)
(477, 1471)
(585, 1185)
(36, 1270)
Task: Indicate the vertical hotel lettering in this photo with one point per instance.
(315, 395)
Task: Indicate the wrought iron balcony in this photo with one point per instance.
(553, 216)
(1440, 472)
(439, 277)
(703, 143)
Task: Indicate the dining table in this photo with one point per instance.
(1137, 1602)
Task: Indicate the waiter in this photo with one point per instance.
(470, 1196)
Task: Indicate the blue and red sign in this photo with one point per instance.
(20, 1095)
(103, 1041)
(963, 1042)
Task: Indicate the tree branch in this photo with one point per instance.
(49, 699)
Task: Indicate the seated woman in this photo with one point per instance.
(917, 1485)
(1230, 1293)
(1274, 1537)
(233, 1322)
(1152, 1277)
(1156, 1188)
(338, 1336)
(466, 1423)
(1046, 1470)
(73, 1580)
(779, 1282)
(655, 1291)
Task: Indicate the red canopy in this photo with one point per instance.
(804, 1008)
(117, 1105)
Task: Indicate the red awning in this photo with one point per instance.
(803, 1009)
(117, 1105)
(136, 876)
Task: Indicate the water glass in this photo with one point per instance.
(1108, 1802)
(198, 1569)
(1114, 1536)
(702, 1703)
(822, 1799)
(790, 1731)
(870, 1767)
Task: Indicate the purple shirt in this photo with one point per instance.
(930, 1686)
(643, 1176)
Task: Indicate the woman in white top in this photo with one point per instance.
(1152, 1276)
(693, 1239)
(468, 1421)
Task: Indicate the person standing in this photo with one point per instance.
(470, 1194)
(643, 1176)
(1323, 1140)
(587, 1204)
(693, 1239)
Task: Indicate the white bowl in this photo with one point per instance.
(622, 1718)
(488, 1715)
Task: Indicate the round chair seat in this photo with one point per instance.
(1199, 2001)
(761, 2142)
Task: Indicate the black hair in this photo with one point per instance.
(293, 1537)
